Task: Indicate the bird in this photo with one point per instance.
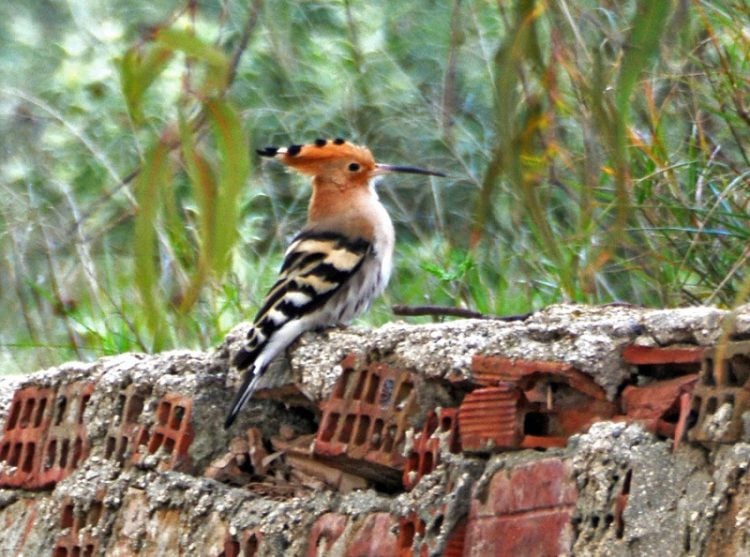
(335, 266)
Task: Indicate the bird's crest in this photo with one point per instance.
(311, 158)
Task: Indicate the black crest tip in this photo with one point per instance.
(268, 151)
(320, 142)
(339, 141)
(293, 150)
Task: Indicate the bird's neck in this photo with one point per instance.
(350, 209)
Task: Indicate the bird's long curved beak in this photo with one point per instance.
(386, 168)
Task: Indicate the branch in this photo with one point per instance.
(403, 310)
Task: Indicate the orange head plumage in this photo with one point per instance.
(336, 162)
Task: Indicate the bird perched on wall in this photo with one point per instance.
(337, 264)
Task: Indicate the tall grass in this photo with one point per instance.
(596, 152)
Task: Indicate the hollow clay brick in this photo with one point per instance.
(424, 455)
(365, 420)
(722, 395)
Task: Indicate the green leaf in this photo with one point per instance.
(186, 42)
(138, 72)
(203, 182)
(231, 144)
(154, 176)
(643, 44)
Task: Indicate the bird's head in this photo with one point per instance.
(336, 162)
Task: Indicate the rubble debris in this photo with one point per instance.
(409, 441)
(662, 406)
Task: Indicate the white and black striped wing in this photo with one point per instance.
(316, 266)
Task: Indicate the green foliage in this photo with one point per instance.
(596, 152)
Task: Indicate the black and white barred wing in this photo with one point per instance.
(316, 271)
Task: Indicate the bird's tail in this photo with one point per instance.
(249, 384)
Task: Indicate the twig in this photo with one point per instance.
(412, 311)
(247, 31)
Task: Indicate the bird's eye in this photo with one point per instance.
(354, 167)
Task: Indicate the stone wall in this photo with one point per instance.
(581, 430)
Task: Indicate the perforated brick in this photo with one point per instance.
(246, 545)
(130, 439)
(424, 455)
(365, 419)
(45, 438)
(127, 434)
(722, 394)
(67, 442)
(22, 446)
(526, 510)
(454, 547)
(409, 528)
(78, 528)
(172, 432)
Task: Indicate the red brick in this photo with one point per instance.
(45, 438)
(490, 370)
(374, 537)
(724, 379)
(538, 533)
(662, 355)
(539, 484)
(424, 456)
(662, 407)
(251, 542)
(172, 433)
(231, 547)
(67, 442)
(525, 510)
(410, 527)
(489, 418)
(325, 531)
(454, 547)
(246, 546)
(127, 434)
(78, 526)
(621, 503)
(553, 401)
(22, 445)
(365, 419)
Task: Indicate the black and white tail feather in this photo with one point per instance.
(325, 279)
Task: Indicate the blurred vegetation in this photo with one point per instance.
(597, 151)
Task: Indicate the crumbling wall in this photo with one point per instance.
(581, 430)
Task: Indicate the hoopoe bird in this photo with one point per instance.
(336, 266)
